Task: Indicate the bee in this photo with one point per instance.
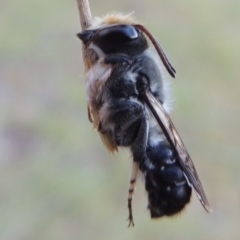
(128, 103)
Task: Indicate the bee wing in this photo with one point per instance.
(177, 145)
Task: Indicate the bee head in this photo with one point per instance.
(85, 36)
(116, 38)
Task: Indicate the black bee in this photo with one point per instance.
(128, 103)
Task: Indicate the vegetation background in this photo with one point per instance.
(57, 181)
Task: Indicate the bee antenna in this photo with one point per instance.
(159, 50)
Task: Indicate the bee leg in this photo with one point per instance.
(138, 147)
(89, 114)
(127, 116)
(100, 128)
(133, 180)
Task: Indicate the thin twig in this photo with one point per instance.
(85, 22)
(84, 13)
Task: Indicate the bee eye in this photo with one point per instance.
(116, 33)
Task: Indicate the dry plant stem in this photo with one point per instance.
(85, 21)
(84, 13)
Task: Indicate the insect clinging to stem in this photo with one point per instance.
(128, 103)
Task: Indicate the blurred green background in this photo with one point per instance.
(57, 181)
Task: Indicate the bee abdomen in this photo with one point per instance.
(167, 187)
